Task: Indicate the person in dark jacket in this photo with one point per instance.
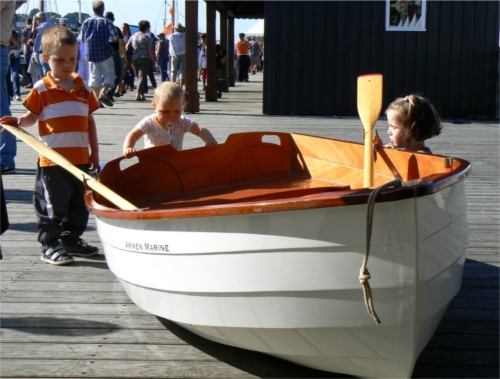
(163, 56)
(4, 221)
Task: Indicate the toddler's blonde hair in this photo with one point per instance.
(167, 91)
(56, 36)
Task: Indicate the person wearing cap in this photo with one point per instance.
(177, 52)
(97, 33)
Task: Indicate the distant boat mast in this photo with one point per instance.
(79, 12)
(165, 10)
(174, 5)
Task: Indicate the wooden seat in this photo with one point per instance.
(257, 191)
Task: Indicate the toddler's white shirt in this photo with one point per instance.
(155, 135)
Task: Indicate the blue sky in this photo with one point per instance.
(131, 11)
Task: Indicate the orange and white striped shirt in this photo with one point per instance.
(63, 117)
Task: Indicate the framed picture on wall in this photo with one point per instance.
(405, 15)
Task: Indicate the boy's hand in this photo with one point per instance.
(94, 161)
(128, 151)
(10, 120)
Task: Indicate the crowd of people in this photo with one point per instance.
(107, 51)
(73, 75)
(112, 60)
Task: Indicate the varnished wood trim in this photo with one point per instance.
(311, 150)
(318, 200)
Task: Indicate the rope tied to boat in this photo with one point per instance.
(364, 274)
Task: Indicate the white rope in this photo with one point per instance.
(364, 274)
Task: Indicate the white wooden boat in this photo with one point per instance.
(258, 242)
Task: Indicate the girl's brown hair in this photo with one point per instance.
(417, 114)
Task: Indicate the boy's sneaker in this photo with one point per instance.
(80, 248)
(56, 255)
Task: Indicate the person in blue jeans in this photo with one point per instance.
(7, 10)
(8, 147)
(15, 63)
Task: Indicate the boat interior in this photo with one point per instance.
(256, 167)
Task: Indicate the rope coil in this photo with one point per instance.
(364, 274)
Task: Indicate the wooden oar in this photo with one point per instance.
(55, 157)
(369, 106)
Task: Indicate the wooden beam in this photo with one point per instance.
(230, 51)
(223, 82)
(192, 97)
(211, 89)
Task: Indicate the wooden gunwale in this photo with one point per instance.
(415, 188)
(250, 174)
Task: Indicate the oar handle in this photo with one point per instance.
(57, 158)
(368, 167)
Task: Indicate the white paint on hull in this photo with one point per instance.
(286, 283)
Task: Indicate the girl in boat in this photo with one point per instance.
(167, 125)
(412, 119)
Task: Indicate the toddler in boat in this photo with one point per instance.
(412, 119)
(167, 125)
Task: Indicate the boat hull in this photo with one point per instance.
(286, 283)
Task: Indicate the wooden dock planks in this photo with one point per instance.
(76, 321)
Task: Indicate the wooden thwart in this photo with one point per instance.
(55, 157)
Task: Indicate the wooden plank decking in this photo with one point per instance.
(76, 321)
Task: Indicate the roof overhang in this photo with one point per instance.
(240, 9)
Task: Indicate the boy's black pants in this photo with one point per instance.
(59, 205)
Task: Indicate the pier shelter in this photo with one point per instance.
(314, 51)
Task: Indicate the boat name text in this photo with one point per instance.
(147, 247)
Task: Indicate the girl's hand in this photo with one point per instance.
(10, 120)
(377, 141)
(128, 151)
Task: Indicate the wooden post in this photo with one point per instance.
(192, 96)
(223, 83)
(230, 51)
(211, 89)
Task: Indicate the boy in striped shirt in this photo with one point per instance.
(63, 105)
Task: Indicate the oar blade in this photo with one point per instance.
(369, 99)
